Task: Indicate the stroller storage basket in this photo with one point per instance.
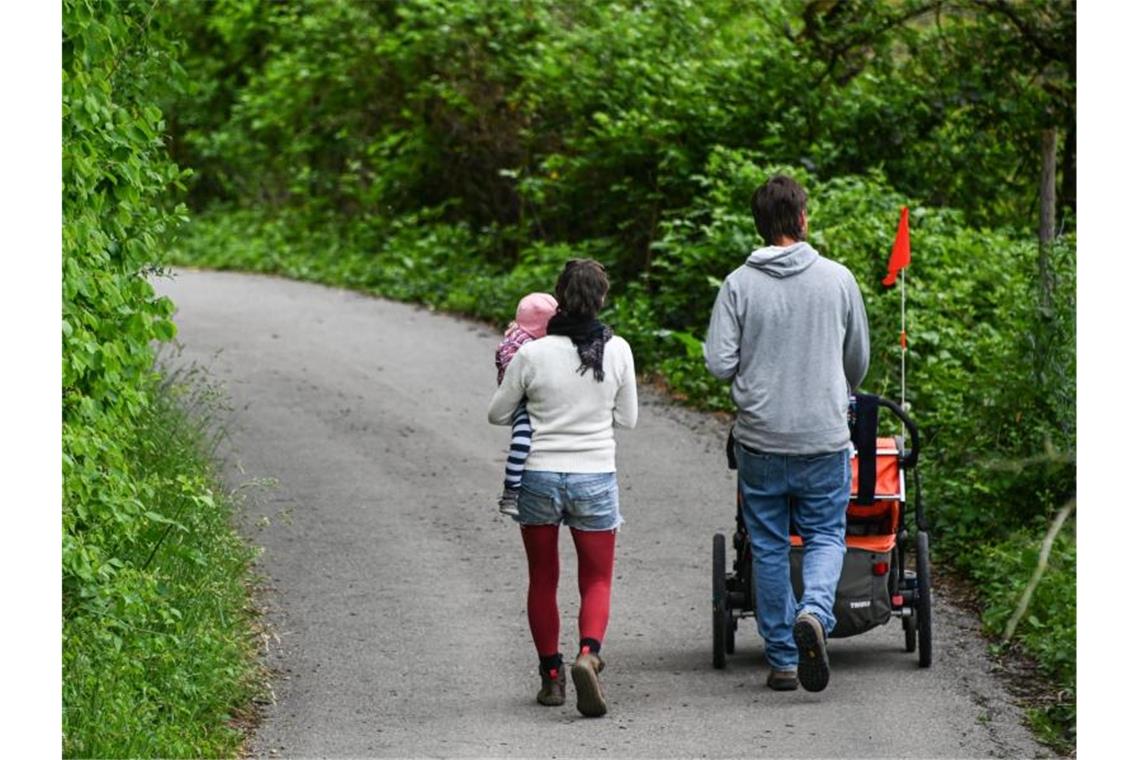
(863, 599)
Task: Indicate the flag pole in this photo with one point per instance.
(896, 267)
(902, 336)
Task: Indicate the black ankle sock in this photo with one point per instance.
(549, 663)
(593, 645)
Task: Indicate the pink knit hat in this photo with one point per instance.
(534, 311)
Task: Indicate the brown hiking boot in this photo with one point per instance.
(553, 691)
(783, 680)
(591, 701)
(810, 639)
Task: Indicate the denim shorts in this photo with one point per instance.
(582, 500)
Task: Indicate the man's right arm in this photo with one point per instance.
(722, 343)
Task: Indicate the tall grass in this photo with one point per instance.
(166, 665)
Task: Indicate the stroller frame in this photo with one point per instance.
(906, 592)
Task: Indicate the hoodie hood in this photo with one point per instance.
(783, 261)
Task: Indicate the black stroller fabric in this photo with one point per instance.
(863, 599)
(863, 436)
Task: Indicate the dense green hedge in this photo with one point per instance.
(592, 119)
(155, 652)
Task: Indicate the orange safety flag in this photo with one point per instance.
(900, 251)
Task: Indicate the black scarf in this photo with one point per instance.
(589, 337)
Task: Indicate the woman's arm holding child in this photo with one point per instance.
(509, 393)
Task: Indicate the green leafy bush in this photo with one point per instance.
(158, 655)
(1048, 632)
(153, 602)
(115, 174)
(592, 120)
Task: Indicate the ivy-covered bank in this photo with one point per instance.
(158, 657)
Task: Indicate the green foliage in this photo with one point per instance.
(949, 98)
(115, 174)
(591, 120)
(1048, 632)
(421, 258)
(151, 574)
(1002, 570)
(157, 651)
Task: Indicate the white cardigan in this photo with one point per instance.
(572, 414)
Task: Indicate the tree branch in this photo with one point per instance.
(1033, 35)
(835, 54)
(1042, 561)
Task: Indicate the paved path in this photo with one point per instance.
(398, 595)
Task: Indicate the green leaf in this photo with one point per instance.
(164, 329)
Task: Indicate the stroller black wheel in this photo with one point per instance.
(720, 612)
(922, 556)
(909, 632)
(729, 630)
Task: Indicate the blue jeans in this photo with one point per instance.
(582, 500)
(821, 485)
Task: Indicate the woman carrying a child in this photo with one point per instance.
(577, 382)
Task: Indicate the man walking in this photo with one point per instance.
(790, 329)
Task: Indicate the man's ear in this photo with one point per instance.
(803, 224)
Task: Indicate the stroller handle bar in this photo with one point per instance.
(911, 458)
(907, 462)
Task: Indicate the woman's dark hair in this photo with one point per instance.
(582, 288)
(776, 208)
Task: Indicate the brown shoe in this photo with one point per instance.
(783, 680)
(814, 670)
(553, 691)
(591, 701)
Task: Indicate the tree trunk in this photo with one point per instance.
(1047, 226)
(1069, 168)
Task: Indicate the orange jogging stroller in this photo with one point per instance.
(876, 583)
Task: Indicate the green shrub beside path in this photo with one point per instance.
(157, 656)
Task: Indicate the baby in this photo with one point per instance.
(533, 312)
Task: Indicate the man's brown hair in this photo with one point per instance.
(777, 206)
(582, 288)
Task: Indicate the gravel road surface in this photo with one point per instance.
(397, 594)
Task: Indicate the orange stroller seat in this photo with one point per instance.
(873, 527)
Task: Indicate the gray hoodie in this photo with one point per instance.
(789, 328)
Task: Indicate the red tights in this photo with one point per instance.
(595, 578)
